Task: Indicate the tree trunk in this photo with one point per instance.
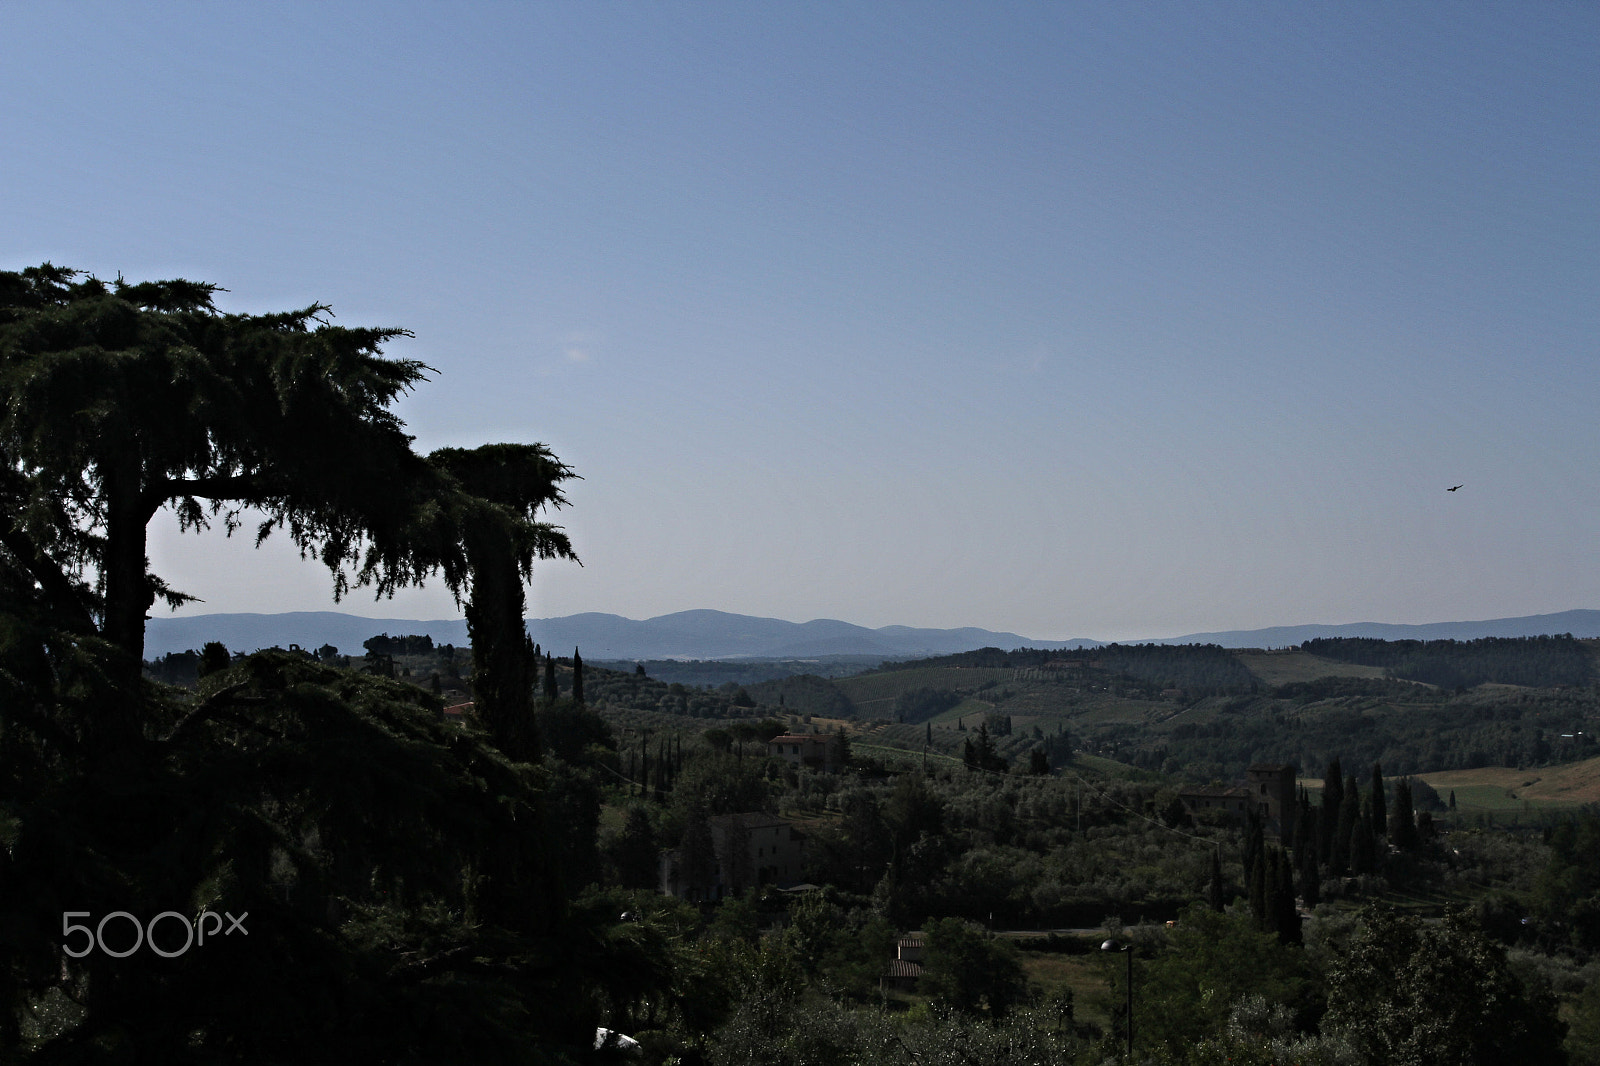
(504, 668)
(128, 593)
(127, 588)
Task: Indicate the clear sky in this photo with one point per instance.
(1113, 320)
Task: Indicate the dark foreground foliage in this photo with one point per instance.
(402, 902)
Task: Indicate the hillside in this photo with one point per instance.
(1292, 664)
(1202, 713)
(1207, 713)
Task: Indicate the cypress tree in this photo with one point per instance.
(1363, 848)
(1349, 815)
(577, 677)
(1403, 823)
(1380, 808)
(1258, 892)
(1214, 889)
(1305, 832)
(1310, 878)
(1288, 914)
(1271, 890)
(636, 851)
(550, 691)
(1332, 794)
(1254, 846)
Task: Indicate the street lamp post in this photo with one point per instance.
(1125, 949)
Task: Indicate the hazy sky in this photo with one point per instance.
(1113, 320)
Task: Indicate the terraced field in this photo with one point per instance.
(874, 694)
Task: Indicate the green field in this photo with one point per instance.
(1499, 788)
(1286, 667)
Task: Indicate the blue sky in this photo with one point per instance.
(1110, 320)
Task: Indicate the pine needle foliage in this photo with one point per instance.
(402, 901)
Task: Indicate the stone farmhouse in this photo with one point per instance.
(751, 849)
(819, 751)
(1270, 794)
(906, 966)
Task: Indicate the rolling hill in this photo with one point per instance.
(705, 634)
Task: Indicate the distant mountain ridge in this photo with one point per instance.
(1581, 624)
(700, 634)
(705, 634)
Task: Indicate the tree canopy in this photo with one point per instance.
(1414, 993)
(404, 884)
(121, 399)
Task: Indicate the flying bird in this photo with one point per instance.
(1452, 488)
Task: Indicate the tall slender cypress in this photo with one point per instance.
(1254, 845)
(1272, 891)
(577, 677)
(1258, 892)
(1349, 815)
(1380, 807)
(1403, 822)
(1288, 913)
(1310, 878)
(1305, 832)
(1363, 849)
(1332, 794)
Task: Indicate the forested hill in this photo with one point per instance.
(1201, 669)
(1203, 712)
(1209, 669)
(1540, 662)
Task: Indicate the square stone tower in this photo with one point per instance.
(1272, 787)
